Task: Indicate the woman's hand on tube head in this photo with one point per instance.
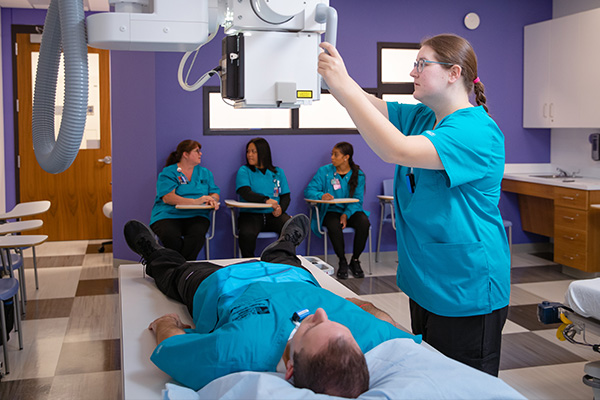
(332, 68)
(327, 196)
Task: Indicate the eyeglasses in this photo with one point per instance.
(420, 64)
(197, 150)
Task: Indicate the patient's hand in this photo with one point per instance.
(166, 326)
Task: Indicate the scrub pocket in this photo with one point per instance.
(458, 275)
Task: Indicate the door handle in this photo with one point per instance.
(106, 160)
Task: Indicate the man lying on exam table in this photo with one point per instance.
(254, 316)
(268, 315)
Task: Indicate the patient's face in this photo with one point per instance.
(315, 332)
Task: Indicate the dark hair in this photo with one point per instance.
(338, 370)
(456, 50)
(263, 151)
(346, 149)
(184, 147)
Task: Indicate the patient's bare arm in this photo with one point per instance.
(371, 309)
(166, 326)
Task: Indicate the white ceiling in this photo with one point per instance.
(89, 5)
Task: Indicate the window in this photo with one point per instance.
(394, 63)
(325, 116)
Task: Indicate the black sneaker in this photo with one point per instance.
(356, 269)
(140, 239)
(342, 272)
(295, 229)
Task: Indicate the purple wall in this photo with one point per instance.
(151, 114)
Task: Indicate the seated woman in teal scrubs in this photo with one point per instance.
(341, 179)
(184, 181)
(259, 181)
(453, 255)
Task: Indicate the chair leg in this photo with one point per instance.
(4, 339)
(18, 321)
(37, 286)
(308, 242)
(325, 246)
(207, 249)
(380, 230)
(370, 251)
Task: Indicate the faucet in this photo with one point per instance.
(562, 172)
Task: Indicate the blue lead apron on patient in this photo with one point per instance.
(201, 184)
(270, 184)
(243, 320)
(453, 255)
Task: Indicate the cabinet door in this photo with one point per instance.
(585, 79)
(565, 97)
(536, 75)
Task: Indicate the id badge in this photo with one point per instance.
(276, 188)
(335, 182)
(182, 179)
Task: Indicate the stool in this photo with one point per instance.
(15, 263)
(508, 226)
(9, 288)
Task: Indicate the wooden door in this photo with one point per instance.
(78, 194)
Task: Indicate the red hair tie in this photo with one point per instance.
(476, 80)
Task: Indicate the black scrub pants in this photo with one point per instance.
(179, 279)
(474, 341)
(251, 224)
(184, 235)
(359, 221)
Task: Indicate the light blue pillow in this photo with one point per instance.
(399, 369)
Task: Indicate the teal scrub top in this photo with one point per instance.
(270, 184)
(453, 255)
(201, 184)
(323, 182)
(243, 321)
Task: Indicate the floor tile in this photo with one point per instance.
(97, 287)
(55, 283)
(550, 291)
(54, 261)
(98, 260)
(372, 284)
(88, 357)
(48, 308)
(43, 340)
(521, 350)
(93, 248)
(512, 327)
(585, 352)
(528, 260)
(540, 273)
(91, 386)
(519, 296)
(554, 382)
(526, 316)
(99, 272)
(72, 247)
(26, 389)
(94, 318)
(546, 255)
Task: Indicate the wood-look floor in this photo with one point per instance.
(72, 327)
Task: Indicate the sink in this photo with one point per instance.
(555, 176)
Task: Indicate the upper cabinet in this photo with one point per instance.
(560, 86)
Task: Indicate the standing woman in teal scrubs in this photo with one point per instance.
(341, 179)
(453, 256)
(259, 181)
(183, 181)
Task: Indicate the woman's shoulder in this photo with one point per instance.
(169, 170)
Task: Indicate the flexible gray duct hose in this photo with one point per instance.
(64, 18)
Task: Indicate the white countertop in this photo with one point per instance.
(584, 183)
(590, 177)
